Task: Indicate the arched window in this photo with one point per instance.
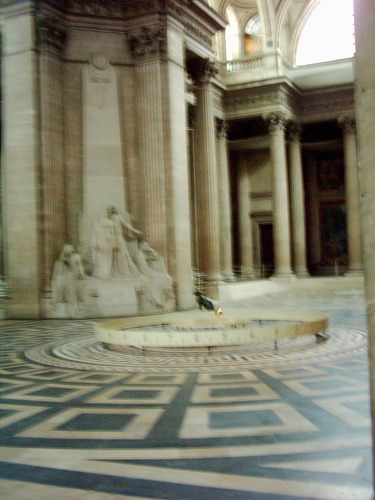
(253, 35)
(328, 34)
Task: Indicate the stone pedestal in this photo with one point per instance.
(108, 298)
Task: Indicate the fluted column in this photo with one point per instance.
(364, 15)
(207, 198)
(224, 203)
(51, 37)
(245, 236)
(281, 223)
(148, 48)
(355, 262)
(297, 203)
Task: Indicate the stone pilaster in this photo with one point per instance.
(51, 37)
(245, 236)
(148, 47)
(297, 203)
(20, 162)
(355, 263)
(158, 54)
(281, 223)
(224, 203)
(364, 16)
(207, 198)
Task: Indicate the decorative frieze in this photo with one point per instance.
(109, 8)
(258, 98)
(334, 102)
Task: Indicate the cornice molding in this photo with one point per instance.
(50, 30)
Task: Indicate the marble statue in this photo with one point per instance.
(68, 269)
(158, 288)
(127, 276)
(103, 246)
(122, 263)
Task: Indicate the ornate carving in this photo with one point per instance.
(99, 68)
(257, 98)
(177, 9)
(222, 129)
(276, 121)
(202, 70)
(50, 31)
(294, 131)
(347, 124)
(109, 8)
(148, 44)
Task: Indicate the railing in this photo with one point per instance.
(244, 63)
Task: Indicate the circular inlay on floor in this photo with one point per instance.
(85, 353)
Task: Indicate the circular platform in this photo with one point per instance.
(204, 329)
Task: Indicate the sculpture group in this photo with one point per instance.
(118, 251)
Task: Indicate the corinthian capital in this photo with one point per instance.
(50, 31)
(276, 121)
(148, 43)
(348, 125)
(294, 131)
(202, 70)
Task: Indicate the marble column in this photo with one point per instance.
(224, 203)
(245, 231)
(206, 175)
(364, 17)
(355, 262)
(281, 222)
(297, 203)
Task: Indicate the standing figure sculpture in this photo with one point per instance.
(122, 264)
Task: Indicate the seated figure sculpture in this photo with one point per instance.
(67, 270)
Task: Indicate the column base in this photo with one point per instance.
(229, 276)
(302, 274)
(283, 277)
(354, 272)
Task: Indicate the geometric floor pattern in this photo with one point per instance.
(233, 424)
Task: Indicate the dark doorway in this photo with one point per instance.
(267, 259)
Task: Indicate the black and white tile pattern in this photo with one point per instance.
(77, 421)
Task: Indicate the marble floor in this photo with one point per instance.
(78, 422)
